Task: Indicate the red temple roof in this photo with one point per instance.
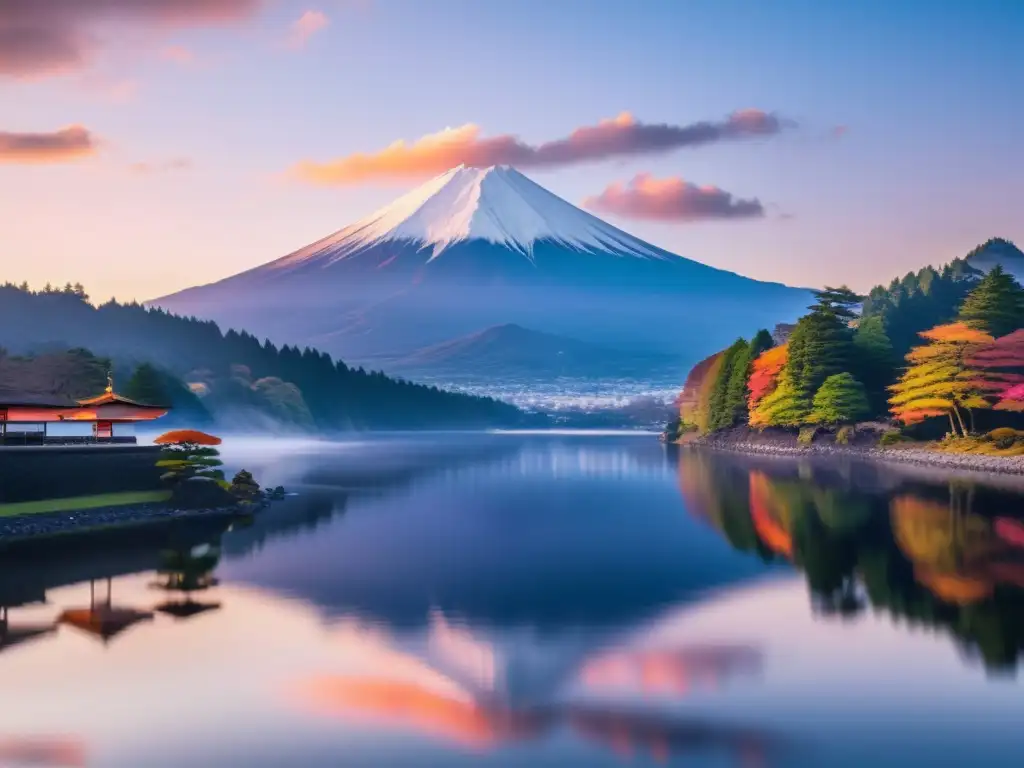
(111, 398)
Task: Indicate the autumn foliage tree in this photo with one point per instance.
(939, 380)
(1000, 367)
(764, 376)
(1012, 399)
(694, 400)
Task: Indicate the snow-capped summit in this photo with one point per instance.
(497, 204)
(476, 248)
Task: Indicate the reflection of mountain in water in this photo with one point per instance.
(499, 530)
(946, 557)
(472, 688)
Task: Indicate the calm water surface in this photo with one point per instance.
(514, 600)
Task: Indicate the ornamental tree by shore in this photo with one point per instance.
(939, 381)
(188, 454)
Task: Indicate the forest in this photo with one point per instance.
(937, 353)
(206, 374)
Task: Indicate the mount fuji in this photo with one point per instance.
(476, 248)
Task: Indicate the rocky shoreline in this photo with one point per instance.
(53, 523)
(775, 445)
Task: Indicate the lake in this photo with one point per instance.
(531, 600)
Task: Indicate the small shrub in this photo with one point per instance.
(806, 436)
(244, 487)
(844, 435)
(1003, 437)
(893, 437)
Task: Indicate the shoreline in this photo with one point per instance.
(42, 525)
(920, 457)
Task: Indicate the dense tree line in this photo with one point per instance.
(197, 351)
(938, 343)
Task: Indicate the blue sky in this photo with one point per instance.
(196, 117)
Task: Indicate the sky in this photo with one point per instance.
(150, 145)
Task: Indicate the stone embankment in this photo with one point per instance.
(786, 444)
(52, 523)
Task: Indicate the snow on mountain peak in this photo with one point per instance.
(497, 204)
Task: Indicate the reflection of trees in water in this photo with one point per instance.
(183, 552)
(932, 555)
(294, 516)
(185, 571)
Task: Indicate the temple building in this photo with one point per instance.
(52, 420)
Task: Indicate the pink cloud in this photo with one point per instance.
(71, 143)
(621, 136)
(39, 38)
(166, 166)
(303, 28)
(671, 199)
(178, 54)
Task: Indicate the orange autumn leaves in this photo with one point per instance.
(959, 368)
(695, 399)
(765, 370)
(764, 378)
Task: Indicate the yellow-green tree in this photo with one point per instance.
(939, 381)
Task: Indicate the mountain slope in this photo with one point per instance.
(476, 248)
(230, 371)
(511, 351)
(998, 251)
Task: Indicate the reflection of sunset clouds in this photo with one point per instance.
(411, 706)
(463, 722)
(58, 752)
(668, 672)
(403, 683)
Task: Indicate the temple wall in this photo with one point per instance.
(49, 472)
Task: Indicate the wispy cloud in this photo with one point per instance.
(671, 199)
(66, 144)
(304, 27)
(165, 166)
(621, 136)
(40, 38)
(178, 54)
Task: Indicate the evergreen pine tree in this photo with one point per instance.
(875, 361)
(841, 399)
(146, 386)
(995, 305)
(821, 345)
(720, 413)
(837, 301)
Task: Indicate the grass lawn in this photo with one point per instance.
(76, 503)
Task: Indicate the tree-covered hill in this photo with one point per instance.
(936, 347)
(233, 373)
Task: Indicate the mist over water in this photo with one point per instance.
(550, 599)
